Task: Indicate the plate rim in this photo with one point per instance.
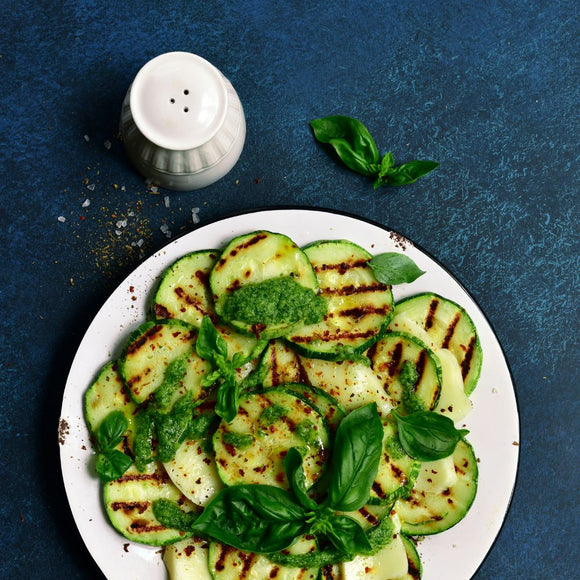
(311, 209)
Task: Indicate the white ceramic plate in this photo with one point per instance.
(493, 423)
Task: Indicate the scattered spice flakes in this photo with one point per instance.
(126, 547)
(400, 241)
(63, 431)
(516, 443)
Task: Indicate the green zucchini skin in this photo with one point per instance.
(449, 326)
(251, 449)
(183, 291)
(387, 357)
(150, 351)
(424, 513)
(415, 571)
(253, 258)
(359, 307)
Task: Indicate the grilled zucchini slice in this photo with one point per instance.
(160, 359)
(252, 259)
(359, 307)
(129, 504)
(447, 325)
(183, 291)
(227, 563)
(251, 449)
(107, 394)
(424, 513)
(388, 357)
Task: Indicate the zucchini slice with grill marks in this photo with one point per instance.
(424, 513)
(448, 326)
(359, 307)
(415, 566)
(251, 449)
(107, 394)
(160, 358)
(183, 291)
(227, 563)
(129, 504)
(256, 258)
(352, 384)
(388, 357)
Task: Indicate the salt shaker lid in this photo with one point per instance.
(178, 100)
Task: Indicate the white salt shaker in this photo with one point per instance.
(182, 122)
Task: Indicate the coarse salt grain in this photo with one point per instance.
(91, 187)
(61, 219)
(86, 203)
(194, 215)
(166, 201)
(107, 144)
(87, 138)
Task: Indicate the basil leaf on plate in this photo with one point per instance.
(297, 479)
(111, 464)
(347, 535)
(256, 518)
(428, 436)
(394, 268)
(111, 430)
(355, 458)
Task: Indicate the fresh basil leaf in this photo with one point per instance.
(405, 173)
(296, 478)
(227, 400)
(428, 436)
(346, 535)
(394, 268)
(209, 341)
(355, 458)
(256, 518)
(111, 464)
(111, 430)
(351, 140)
(170, 515)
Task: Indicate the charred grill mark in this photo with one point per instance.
(274, 572)
(161, 311)
(234, 251)
(247, 559)
(413, 571)
(129, 506)
(326, 336)
(327, 572)
(202, 276)
(142, 340)
(143, 527)
(157, 476)
(221, 559)
(370, 518)
(431, 313)
(342, 268)
(420, 367)
(361, 312)
(395, 361)
(377, 488)
(450, 331)
(352, 290)
(466, 362)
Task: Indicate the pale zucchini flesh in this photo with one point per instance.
(187, 559)
(251, 449)
(359, 307)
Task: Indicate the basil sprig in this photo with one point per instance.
(394, 268)
(111, 463)
(265, 519)
(357, 149)
(212, 347)
(428, 436)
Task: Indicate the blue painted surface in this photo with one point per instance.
(489, 89)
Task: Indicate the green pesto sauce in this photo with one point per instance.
(394, 448)
(408, 379)
(272, 414)
(238, 440)
(275, 301)
(307, 432)
(171, 516)
(172, 378)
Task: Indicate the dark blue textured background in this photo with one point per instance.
(487, 88)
